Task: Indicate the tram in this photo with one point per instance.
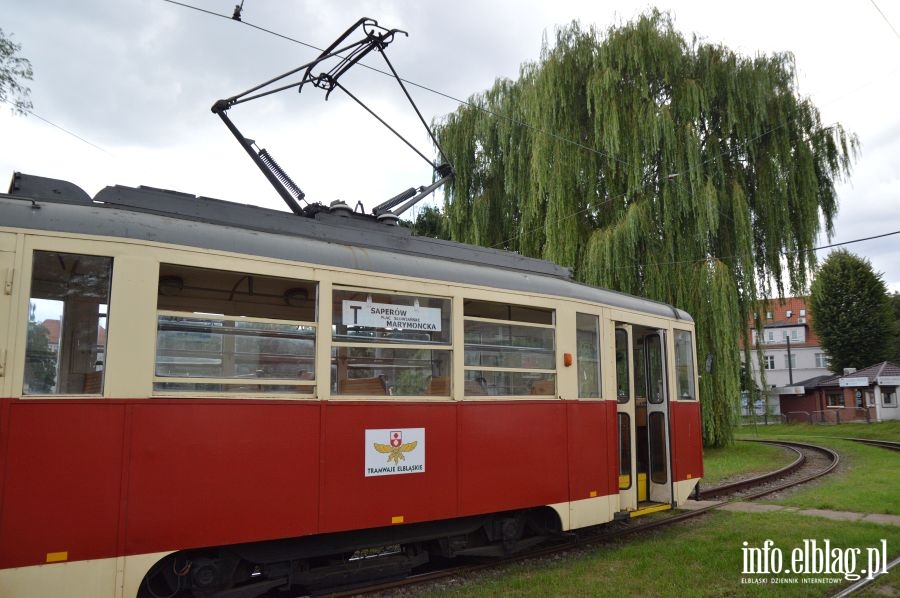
(202, 398)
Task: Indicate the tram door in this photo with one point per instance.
(643, 414)
(628, 496)
(7, 245)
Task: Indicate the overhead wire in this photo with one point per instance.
(537, 130)
(61, 128)
(412, 83)
(886, 20)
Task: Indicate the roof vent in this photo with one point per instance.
(848, 371)
(789, 313)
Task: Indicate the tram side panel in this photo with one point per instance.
(592, 458)
(213, 472)
(63, 482)
(687, 446)
(512, 454)
(387, 464)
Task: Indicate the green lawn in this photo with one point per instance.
(889, 430)
(742, 459)
(698, 558)
(867, 480)
(704, 557)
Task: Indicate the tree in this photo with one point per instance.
(429, 222)
(676, 170)
(852, 312)
(13, 70)
(895, 344)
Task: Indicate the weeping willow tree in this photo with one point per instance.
(673, 169)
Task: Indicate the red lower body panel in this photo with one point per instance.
(687, 440)
(62, 487)
(202, 474)
(102, 478)
(350, 500)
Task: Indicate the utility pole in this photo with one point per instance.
(790, 369)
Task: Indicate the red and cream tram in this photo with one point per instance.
(199, 398)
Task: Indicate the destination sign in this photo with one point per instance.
(388, 315)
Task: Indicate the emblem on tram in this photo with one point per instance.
(405, 451)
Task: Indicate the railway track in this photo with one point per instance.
(811, 462)
(888, 444)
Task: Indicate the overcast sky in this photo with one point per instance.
(134, 80)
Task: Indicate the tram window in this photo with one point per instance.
(509, 350)
(588, 339)
(684, 365)
(231, 332)
(623, 384)
(655, 368)
(508, 311)
(640, 369)
(624, 451)
(657, 438)
(67, 323)
(389, 344)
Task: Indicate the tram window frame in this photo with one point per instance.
(520, 339)
(412, 358)
(656, 426)
(81, 285)
(587, 332)
(655, 381)
(625, 457)
(623, 369)
(258, 330)
(685, 370)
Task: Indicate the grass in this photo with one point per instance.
(704, 557)
(868, 479)
(697, 558)
(889, 430)
(740, 460)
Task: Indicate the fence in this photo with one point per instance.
(762, 419)
(829, 416)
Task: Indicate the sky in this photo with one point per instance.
(122, 91)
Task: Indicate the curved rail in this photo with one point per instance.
(857, 586)
(764, 479)
(733, 487)
(829, 453)
(888, 444)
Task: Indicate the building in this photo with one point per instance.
(791, 351)
(869, 394)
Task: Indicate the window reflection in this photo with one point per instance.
(67, 323)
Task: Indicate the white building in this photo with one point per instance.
(791, 350)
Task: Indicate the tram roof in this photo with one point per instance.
(353, 240)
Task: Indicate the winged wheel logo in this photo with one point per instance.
(395, 453)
